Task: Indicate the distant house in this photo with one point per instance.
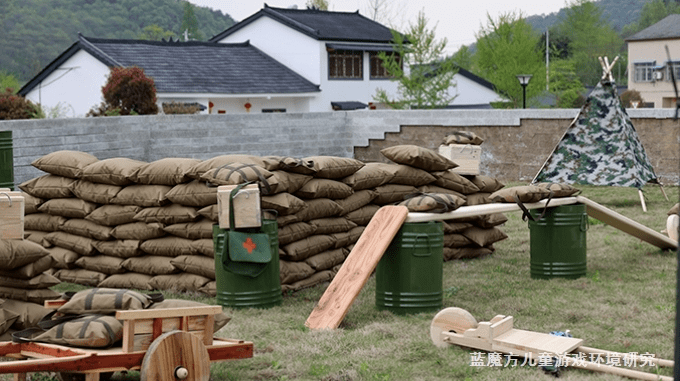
(473, 91)
(188, 72)
(276, 60)
(649, 70)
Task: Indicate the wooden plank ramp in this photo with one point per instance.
(627, 225)
(357, 268)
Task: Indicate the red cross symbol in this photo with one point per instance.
(249, 245)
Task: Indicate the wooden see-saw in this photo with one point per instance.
(456, 326)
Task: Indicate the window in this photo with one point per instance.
(675, 67)
(644, 71)
(377, 69)
(345, 64)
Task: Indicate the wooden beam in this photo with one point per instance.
(480, 210)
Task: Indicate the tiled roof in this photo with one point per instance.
(321, 25)
(669, 27)
(192, 67)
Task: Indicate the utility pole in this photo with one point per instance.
(547, 60)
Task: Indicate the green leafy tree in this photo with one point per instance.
(154, 32)
(128, 91)
(590, 37)
(463, 57)
(565, 84)
(428, 78)
(652, 12)
(507, 47)
(8, 81)
(317, 4)
(190, 23)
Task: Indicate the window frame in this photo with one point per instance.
(675, 67)
(643, 71)
(339, 59)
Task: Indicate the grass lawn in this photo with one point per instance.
(625, 303)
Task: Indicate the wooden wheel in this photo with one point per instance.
(176, 355)
(450, 319)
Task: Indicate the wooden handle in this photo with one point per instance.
(624, 372)
(651, 360)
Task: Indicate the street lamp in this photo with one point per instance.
(524, 81)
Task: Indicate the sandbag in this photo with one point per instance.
(16, 253)
(90, 331)
(106, 301)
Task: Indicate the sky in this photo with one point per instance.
(456, 20)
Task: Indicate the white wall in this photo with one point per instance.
(236, 105)
(471, 93)
(309, 58)
(75, 87)
(295, 50)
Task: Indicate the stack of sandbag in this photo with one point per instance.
(318, 219)
(110, 223)
(425, 181)
(123, 223)
(87, 318)
(23, 277)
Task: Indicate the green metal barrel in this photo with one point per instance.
(6, 160)
(558, 242)
(409, 275)
(242, 291)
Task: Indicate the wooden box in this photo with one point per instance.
(11, 214)
(247, 209)
(467, 157)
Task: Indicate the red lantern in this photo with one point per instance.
(247, 106)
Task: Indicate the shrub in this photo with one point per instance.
(629, 96)
(14, 106)
(571, 98)
(128, 91)
(181, 108)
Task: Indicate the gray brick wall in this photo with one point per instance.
(516, 140)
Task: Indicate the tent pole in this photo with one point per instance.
(642, 200)
(663, 191)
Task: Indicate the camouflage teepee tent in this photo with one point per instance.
(601, 146)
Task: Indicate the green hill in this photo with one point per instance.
(618, 13)
(35, 32)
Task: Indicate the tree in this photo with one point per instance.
(652, 12)
(8, 81)
(590, 37)
(565, 84)
(505, 48)
(154, 32)
(428, 78)
(382, 11)
(128, 91)
(463, 58)
(190, 23)
(317, 4)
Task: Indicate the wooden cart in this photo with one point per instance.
(163, 344)
(456, 326)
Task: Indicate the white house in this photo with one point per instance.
(231, 75)
(276, 60)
